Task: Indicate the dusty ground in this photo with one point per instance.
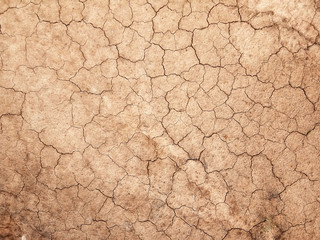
(157, 119)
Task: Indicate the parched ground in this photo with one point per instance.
(160, 119)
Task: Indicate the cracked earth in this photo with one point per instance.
(160, 119)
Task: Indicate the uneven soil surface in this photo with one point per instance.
(160, 119)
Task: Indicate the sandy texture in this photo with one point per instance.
(160, 119)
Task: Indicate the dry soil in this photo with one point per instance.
(160, 119)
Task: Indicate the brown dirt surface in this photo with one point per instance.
(160, 119)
